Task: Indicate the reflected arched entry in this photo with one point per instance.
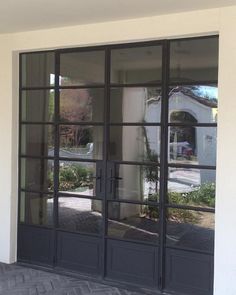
(182, 138)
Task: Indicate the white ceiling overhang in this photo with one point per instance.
(25, 15)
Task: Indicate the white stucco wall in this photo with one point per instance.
(167, 26)
(225, 240)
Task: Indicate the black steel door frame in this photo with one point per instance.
(164, 165)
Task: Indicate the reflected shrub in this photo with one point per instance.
(182, 216)
(203, 195)
(151, 211)
(75, 176)
(50, 180)
(175, 215)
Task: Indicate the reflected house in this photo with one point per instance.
(187, 105)
(188, 144)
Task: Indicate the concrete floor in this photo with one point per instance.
(18, 280)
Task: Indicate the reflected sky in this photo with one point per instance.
(206, 91)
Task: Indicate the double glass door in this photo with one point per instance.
(117, 162)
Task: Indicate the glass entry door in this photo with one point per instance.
(133, 168)
(117, 159)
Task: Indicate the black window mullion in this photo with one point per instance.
(190, 207)
(164, 158)
(136, 44)
(82, 49)
(77, 159)
(86, 86)
(56, 154)
(36, 191)
(81, 123)
(137, 202)
(38, 88)
(193, 124)
(194, 83)
(190, 166)
(105, 158)
(22, 156)
(19, 144)
(190, 250)
(135, 124)
(136, 85)
(36, 123)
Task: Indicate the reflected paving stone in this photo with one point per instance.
(18, 280)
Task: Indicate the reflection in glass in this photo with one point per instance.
(134, 143)
(81, 105)
(138, 105)
(190, 229)
(136, 65)
(195, 187)
(194, 60)
(84, 142)
(37, 140)
(38, 69)
(82, 215)
(192, 145)
(133, 222)
(77, 178)
(82, 68)
(36, 209)
(37, 105)
(136, 182)
(193, 104)
(37, 174)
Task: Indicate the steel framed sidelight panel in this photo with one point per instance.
(157, 263)
(186, 270)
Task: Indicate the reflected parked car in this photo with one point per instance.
(181, 149)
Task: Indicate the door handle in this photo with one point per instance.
(115, 178)
(99, 180)
(112, 181)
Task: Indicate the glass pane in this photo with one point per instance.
(193, 104)
(37, 105)
(82, 68)
(134, 143)
(84, 142)
(36, 209)
(194, 187)
(135, 105)
(77, 178)
(190, 229)
(37, 140)
(81, 105)
(139, 183)
(136, 65)
(133, 222)
(37, 174)
(194, 60)
(38, 69)
(192, 145)
(82, 215)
